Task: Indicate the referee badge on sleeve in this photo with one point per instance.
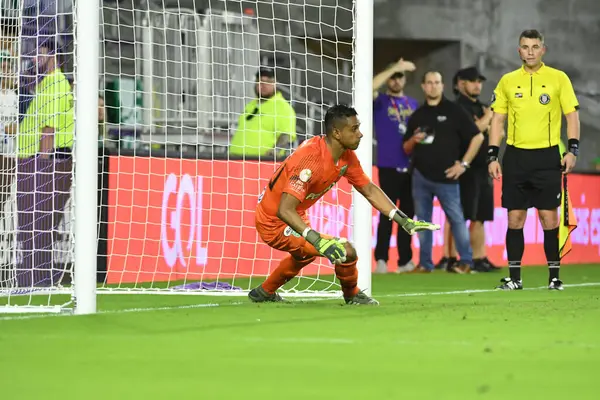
(544, 99)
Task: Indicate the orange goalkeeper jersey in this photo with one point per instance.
(307, 174)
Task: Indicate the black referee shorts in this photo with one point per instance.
(477, 194)
(531, 178)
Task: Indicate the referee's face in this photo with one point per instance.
(531, 51)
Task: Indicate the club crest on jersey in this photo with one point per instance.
(544, 99)
(289, 231)
(305, 175)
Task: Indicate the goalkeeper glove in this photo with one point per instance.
(410, 225)
(332, 248)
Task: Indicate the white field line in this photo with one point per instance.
(207, 305)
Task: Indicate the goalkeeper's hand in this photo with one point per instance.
(333, 248)
(410, 225)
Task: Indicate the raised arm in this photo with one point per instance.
(381, 78)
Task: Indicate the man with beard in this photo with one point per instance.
(44, 168)
(267, 127)
(391, 111)
(476, 187)
(439, 159)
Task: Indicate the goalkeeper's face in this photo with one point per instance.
(350, 134)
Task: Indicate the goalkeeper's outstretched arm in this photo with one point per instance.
(384, 205)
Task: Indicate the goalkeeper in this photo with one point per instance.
(303, 178)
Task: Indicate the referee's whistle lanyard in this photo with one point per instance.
(399, 108)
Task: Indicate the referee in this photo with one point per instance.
(533, 97)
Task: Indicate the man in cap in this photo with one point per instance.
(267, 127)
(476, 187)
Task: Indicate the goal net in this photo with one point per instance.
(183, 145)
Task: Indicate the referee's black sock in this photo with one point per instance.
(515, 246)
(552, 252)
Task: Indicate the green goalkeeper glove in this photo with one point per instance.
(332, 248)
(410, 225)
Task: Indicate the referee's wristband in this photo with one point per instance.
(574, 147)
(493, 152)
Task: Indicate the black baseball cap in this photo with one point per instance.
(469, 74)
(266, 72)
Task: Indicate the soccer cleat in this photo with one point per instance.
(509, 284)
(556, 284)
(361, 298)
(260, 295)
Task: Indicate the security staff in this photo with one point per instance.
(533, 97)
(437, 134)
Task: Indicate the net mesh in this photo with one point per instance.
(37, 132)
(179, 86)
(178, 81)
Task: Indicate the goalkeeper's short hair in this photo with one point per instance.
(336, 115)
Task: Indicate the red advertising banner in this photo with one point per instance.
(171, 219)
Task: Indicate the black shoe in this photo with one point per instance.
(480, 266)
(260, 295)
(444, 262)
(509, 284)
(491, 267)
(556, 284)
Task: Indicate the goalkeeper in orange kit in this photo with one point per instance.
(303, 178)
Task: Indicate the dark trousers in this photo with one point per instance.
(43, 189)
(397, 186)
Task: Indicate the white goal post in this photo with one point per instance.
(161, 204)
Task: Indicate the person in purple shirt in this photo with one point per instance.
(391, 110)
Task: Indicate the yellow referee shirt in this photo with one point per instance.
(534, 104)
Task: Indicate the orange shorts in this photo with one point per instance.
(280, 236)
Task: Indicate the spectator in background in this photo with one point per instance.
(9, 117)
(44, 168)
(267, 127)
(437, 134)
(101, 121)
(476, 186)
(391, 111)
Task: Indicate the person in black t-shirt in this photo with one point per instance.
(437, 134)
(476, 186)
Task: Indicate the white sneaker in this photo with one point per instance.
(408, 267)
(382, 267)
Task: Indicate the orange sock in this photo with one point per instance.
(348, 277)
(288, 268)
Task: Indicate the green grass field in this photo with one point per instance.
(429, 339)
